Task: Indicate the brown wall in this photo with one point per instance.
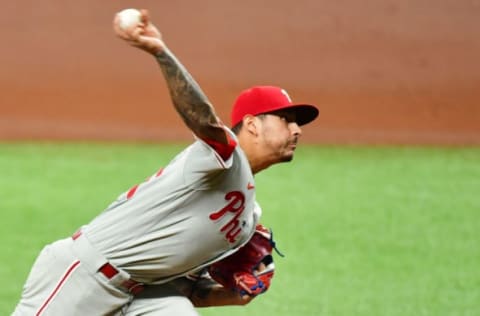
(381, 71)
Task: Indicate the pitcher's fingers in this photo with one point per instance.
(144, 17)
(136, 32)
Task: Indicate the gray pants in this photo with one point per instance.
(161, 300)
(64, 280)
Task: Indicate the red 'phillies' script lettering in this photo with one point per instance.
(236, 205)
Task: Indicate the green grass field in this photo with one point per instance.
(366, 230)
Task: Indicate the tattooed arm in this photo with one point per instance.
(188, 99)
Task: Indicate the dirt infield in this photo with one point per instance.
(381, 71)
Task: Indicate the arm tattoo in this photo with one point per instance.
(188, 98)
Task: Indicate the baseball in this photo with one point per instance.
(128, 18)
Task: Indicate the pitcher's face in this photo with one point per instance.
(280, 134)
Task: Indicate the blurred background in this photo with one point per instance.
(368, 230)
(381, 71)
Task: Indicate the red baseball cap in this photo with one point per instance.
(265, 99)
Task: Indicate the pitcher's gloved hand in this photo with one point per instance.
(248, 271)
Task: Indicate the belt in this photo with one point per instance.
(109, 271)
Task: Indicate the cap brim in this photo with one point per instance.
(305, 113)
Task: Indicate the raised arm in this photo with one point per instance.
(189, 100)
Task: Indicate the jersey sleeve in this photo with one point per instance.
(205, 161)
(223, 150)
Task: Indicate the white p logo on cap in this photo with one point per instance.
(284, 92)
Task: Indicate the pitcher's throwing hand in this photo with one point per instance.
(143, 35)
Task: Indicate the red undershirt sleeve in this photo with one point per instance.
(224, 150)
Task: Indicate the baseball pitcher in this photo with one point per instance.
(149, 250)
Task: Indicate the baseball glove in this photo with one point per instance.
(249, 270)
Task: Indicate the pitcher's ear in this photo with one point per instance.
(251, 124)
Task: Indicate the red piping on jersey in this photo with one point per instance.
(159, 172)
(224, 150)
(132, 191)
(62, 281)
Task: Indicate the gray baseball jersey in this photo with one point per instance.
(188, 214)
(198, 209)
